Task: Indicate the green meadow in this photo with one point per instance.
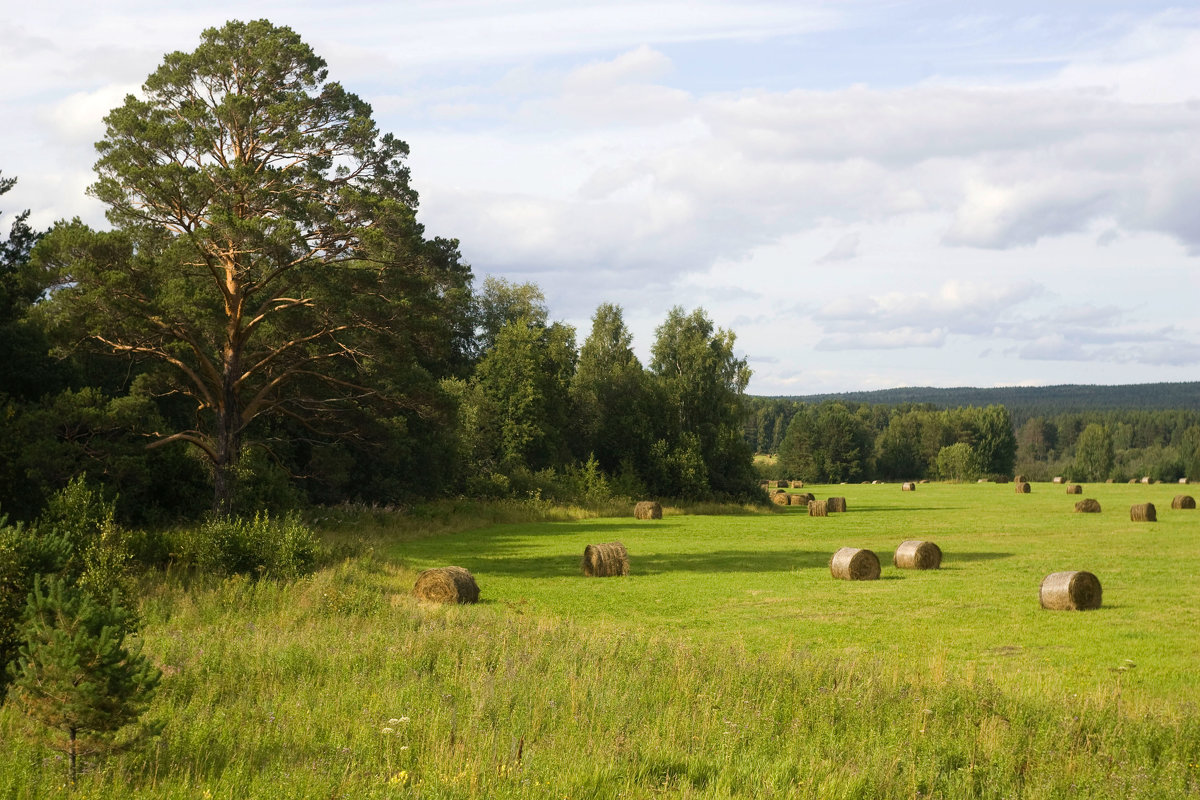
(729, 663)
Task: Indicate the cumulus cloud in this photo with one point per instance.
(845, 249)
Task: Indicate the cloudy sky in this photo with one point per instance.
(869, 193)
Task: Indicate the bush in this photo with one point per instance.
(281, 547)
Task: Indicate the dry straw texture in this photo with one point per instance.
(1183, 501)
(908, 487)
(780, 499)
(446, 585)
(1183, 481)
(1022, 487)
(1143, 512)
(647, 509)
(1070, 591)
(607, 560)
(1074, 488)
(915, 554)
(1021, 479)
(797, 484)
(1057, 479)
(854, 564)
(1088, 506)
(1146, 479)
(836, 504)
(818, 508)
(800, 499)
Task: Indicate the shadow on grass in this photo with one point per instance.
(869, 509)
(955, 555)
(718, 561)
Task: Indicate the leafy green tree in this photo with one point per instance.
(799, 452)
(609, 394)
(995, 443)
(1093, 453)
(265, 260)
(957, 462)
(75, 675)
(844, 444)
(502, 302)
(898, 447)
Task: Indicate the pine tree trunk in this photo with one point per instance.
(71, 756)
(228, 451)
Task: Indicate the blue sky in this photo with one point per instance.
(870, 194)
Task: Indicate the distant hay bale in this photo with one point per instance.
(1021, 479)
(1110, 480)
(854, 564)
(1183, 481)
(607, 560)
(1070, 591)
(446, 585)
(1074, 488)
(1056, 479)
(1133, 480)
(1182, 501)
(1143, 512)
(818, 508)
(1088, 506)
(797, 484)
(836, 504)
(800, 499)
(981, 480)
(876, 483)
(916, 554)
(780, 499)
(908, 487)
(1022, 487)
(647, 509)
(783, 484)
(1146, 479)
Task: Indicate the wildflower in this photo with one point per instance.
(393, 721)
(387, 730)
(403, 719)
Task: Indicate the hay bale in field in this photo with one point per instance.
(981, 480)
(647, 509)
(446, 585)
(1143, 512)
(854, 564)
(784, 484)
(799, 499)
(1070, 591)
(1022, 487)
(608, 560)
(780, 498)
(1133, 480)
(908, 487)
(1183, 481)
(797, 484)
(1110, 480)
(1183, 501)
(836, 504)
(876, 483)
(818, 508)
(1074, 488)
(1021, 479)
(916, 554)
(1056, 479)
(1088, 506)
(1146, 479)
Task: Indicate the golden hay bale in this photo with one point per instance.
(915, 554)
(1056, 479)
(818, 508)
(1183, 501)
(1074, 488)
(836, 504)
(1183, 481)
(1146, 479)
(446, 585)
(1088, 506)
(854, 564)
(1021, 479)
(607, 560)
(780, 498)
(797, 484)
(1070, 591)
(1143, 512)
(647, 509)
(1022, 487)
(908, 487)
(800, 499)
(1109, 480)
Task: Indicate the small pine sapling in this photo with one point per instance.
(74, 674)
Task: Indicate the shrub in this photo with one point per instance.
(280, 547)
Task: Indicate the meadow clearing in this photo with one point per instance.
(727, 664)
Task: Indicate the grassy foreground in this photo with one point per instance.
(728, 664)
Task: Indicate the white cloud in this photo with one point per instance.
(845, 249)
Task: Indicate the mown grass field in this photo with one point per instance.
(728, 664)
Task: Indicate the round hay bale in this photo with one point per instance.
(915, 554)
(908, 487)
(1146, 479)
(446, 585)
(1056, 479)
(854, 564)
(818, 508)
(780, 498)
(1074, 488)
(607, 560)
(1070, 591)
(1022, 487)
(1021, 479)
(784, 484)
(647, 509)
(800, 499)
(797, 484)
(1133, 480)
(1109, 480)
(1143, 512)
(1088, 506)
(836, 504)
(1183, 481)
(1183, 501)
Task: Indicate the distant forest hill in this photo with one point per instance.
(1024, 402)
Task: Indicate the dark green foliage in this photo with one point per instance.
(1093, 454)
(75, 676)
(280, 547)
